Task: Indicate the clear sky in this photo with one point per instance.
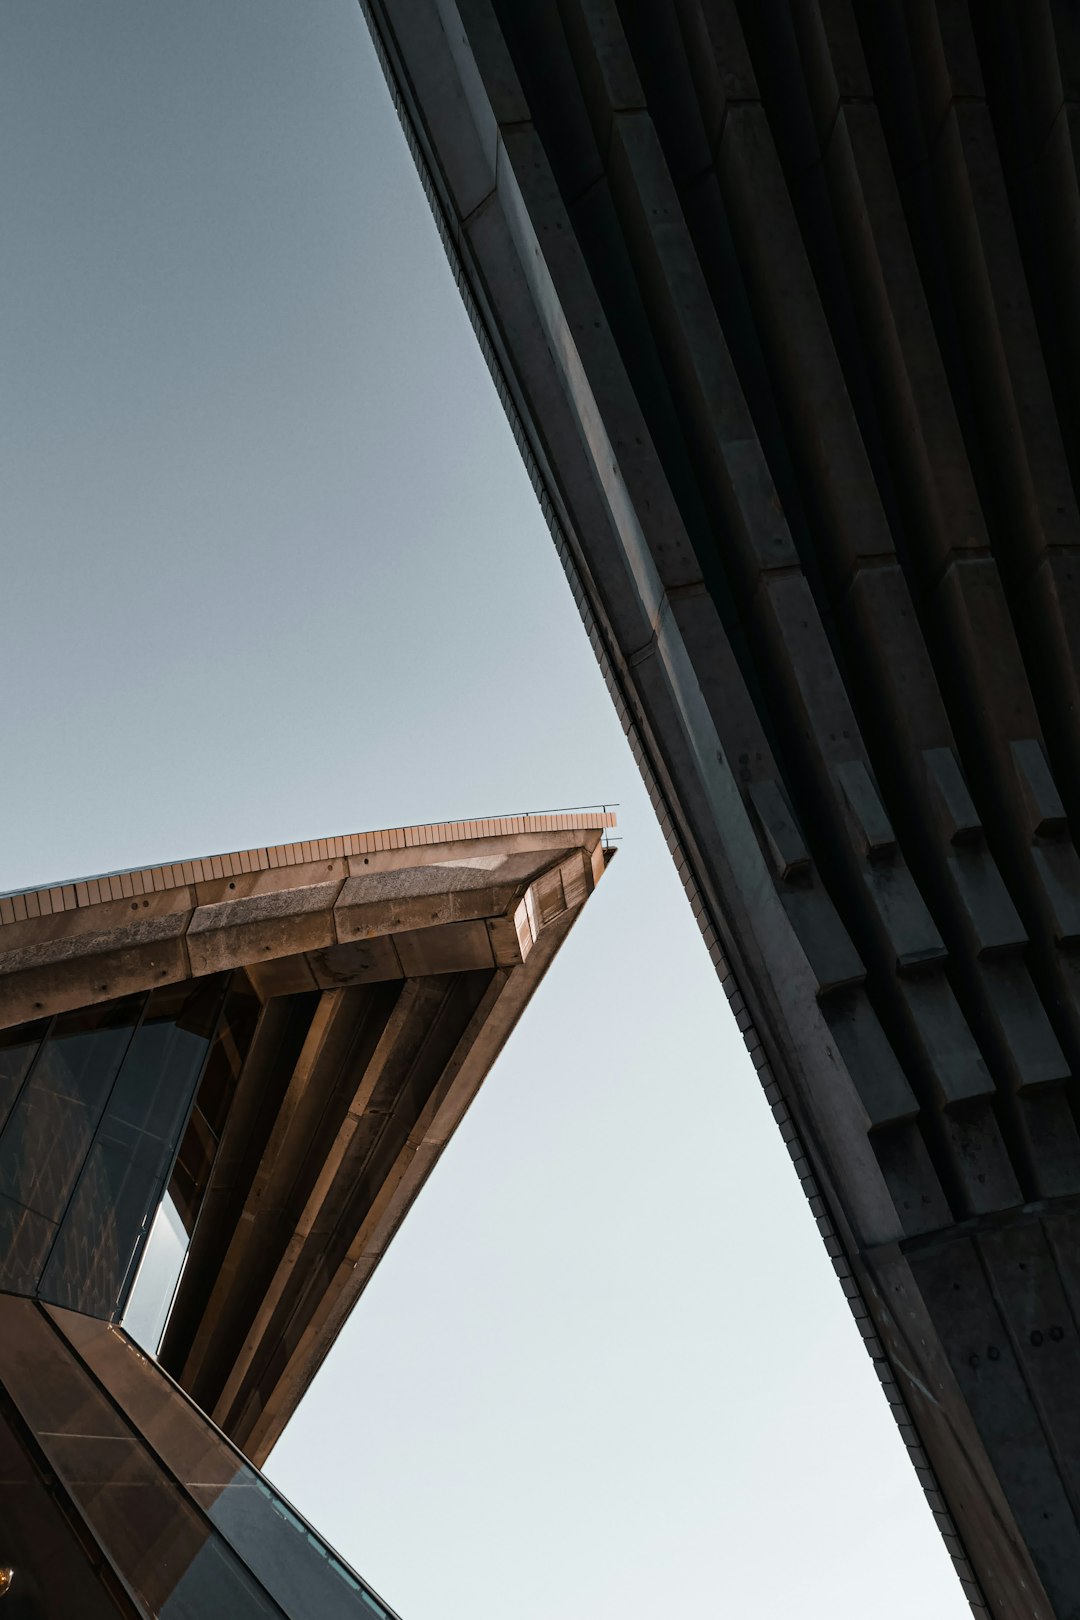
(272, 570)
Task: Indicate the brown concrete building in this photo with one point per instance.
(281, 1041)
(781, 298)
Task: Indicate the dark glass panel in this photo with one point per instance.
(25, 1241)
(49, 1130)
(295, 1566)
(18, 1048)
(216, 1587)
(298, 1569)
(154, 1089)
(165, 1551)
(109, 1216)
(53, 1577)
(152, 1153)
(96, 1247)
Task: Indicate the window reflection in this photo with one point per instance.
(18, 1048)
(92, 1106)
(50, 1128)
(192, 1530)
(295, 1565)
(52, 1577)
(162, 1547)
(173, 1521)
(93, 1259)
(25, 1240)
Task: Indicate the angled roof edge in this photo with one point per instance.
(316, 913)
(42, 900)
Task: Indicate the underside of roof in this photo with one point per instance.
(373, 980)
(781, 299)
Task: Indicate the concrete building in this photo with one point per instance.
(280, 1042)
(781, 298)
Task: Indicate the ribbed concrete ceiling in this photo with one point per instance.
(781, 296)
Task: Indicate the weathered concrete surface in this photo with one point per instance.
(781, 299)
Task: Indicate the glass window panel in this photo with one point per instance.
(98, 1240)
(18, 1048)
(215, 1587)
(165, 1551)
(154, 1089)
(186, 1442)
(25, 1241)
(95, 1130)
(51, 1391)
(49, 1131)
(84, 1050)
(155, 1085)
(150, 1152)
(294, 1565)
(54, 1578)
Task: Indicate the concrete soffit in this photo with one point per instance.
(489, 233)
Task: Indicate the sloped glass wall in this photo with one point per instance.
(152, 1511)
(93, 1106)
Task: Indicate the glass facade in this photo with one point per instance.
(93, 1104)
(54, 1572)
(49, 1129)
(148, 1510)
(117, 1495)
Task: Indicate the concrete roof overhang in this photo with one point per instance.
(389, 968)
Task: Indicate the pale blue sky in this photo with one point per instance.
(273, 570)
